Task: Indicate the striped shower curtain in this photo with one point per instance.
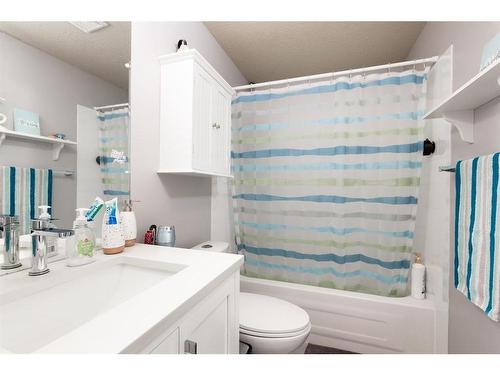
(22, 190)
(326, 179)
(114, 152)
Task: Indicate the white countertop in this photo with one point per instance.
(117, 329)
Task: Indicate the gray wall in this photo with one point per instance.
(470, 330)
(33, 80)
(167, 199)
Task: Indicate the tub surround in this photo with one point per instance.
(196, 286)
(359, 322)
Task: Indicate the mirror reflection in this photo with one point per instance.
(64, 132)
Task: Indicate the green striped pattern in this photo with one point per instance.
(346, 182)
(326, 180)
(325, 136)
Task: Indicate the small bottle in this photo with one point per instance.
(418, 278)
(113, 241)
(82, 251)
(129, 223)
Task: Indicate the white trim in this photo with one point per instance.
(430, 60)
(110, 107)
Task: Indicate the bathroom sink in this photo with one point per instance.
(51, 307)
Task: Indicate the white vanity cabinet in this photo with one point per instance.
(195, 117)
(210, 327)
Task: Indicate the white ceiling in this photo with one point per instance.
(102, 53)
(265, 51)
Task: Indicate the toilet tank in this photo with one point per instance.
(214, 246)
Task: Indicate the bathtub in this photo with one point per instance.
(360, 322)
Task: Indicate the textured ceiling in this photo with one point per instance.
(265, 51)
(102, 53)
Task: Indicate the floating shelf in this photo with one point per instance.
(57, 144)
(459, 108)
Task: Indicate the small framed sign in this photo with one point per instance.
(26, 122)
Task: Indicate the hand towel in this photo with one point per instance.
(477, 252)
(22, 190)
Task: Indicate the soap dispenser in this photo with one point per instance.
(44, 213)
(52, 243)
(129, 223)
(82, 251)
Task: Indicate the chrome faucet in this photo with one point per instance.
(9, 227)
(42, 238)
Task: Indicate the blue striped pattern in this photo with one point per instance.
(320, 271)
(114, 139)
(476, 263)
(340, 120)
(329, 229)
(458, 198)
(472, 220)
(111, 116)
(405, 164)
(330, 257)
(22, 190)
(327, 199)
(330, 151)
(12, 210)
(494, 202)
(339, 86)
(285, 185)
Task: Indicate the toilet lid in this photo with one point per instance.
(264, 314)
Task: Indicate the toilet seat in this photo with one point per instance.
(276, 335)
(265, 316)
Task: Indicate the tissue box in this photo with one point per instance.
(491, 52)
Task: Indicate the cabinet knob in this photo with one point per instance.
(215, 126)
(190, 347)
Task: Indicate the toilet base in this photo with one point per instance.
(277, 345)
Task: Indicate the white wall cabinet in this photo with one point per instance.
(195, 117)
(210, 327)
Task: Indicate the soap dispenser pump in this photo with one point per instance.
(82, 251)
(44, 212)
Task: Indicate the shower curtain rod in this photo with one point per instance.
(430, 60)
(110, 107)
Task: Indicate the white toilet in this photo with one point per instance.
(268, 325)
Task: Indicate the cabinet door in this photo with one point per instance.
(169, 345)
(202, 99)
(221, 131)
(207, 333)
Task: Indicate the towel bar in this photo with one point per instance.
(447, 169)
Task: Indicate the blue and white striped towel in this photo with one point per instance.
(22, 190)
(477, 252)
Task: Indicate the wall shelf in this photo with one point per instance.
(57, 144)
(459, 108)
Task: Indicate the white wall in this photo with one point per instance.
(33, 80)
(88, 179)
(470, 331)
(167, 199)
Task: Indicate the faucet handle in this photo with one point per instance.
(53, 232)
(8, 220)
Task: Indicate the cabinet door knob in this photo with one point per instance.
(215, 126)
(190, 347)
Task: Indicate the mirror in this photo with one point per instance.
(53, 76)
